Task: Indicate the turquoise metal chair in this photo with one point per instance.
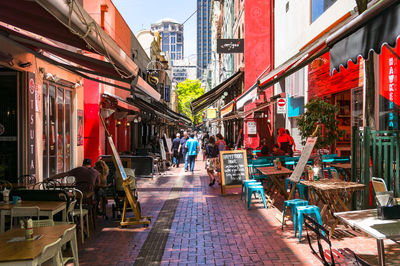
(258, 190)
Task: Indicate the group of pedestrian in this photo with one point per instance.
(186, 147)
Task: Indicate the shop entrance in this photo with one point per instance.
(9, 115)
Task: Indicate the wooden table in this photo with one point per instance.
(346, 166)
(27, 252)
(368, 222)
(277, 178)
(47, 208)
(334, 194)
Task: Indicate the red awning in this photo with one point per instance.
(121, 103)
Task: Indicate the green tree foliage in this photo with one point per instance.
(321, 111)
(188, 91)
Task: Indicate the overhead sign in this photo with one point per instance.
(281, 106)
(227, 46)
(251, 128)
(211, 113)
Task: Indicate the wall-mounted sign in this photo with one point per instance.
(251, 128)
(281, 106)
(80, 128)
(230, 46)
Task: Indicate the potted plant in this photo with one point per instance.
(323, 113)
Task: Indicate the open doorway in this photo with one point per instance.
(9, 120)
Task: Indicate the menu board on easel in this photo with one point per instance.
(117, 160)
(233, 169)
(305, 155)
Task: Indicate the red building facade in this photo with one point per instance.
(258, 62)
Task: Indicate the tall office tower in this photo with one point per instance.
(171, 33)
(203, 36)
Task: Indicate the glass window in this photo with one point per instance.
(57, 128)
(173, 39)
(173, 48)
(179, 47)
(179, 37)
(318, 7)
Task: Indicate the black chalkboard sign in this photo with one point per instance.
(233, 168)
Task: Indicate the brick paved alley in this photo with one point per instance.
(193, 224)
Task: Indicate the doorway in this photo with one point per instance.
(9, 120)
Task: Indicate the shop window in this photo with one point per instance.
(57, 127)
(318, 7)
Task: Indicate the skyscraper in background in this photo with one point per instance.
(171, 33)
(203, 36)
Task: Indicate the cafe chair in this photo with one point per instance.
(43, 223)
(51, 251)
(69, 236)
(378, 184)
(26, 181)
(325, 253)
(81, 212)
(24, 212)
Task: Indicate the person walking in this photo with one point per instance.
(176, 143)
(192, 146)
(183, 149)
(204, 143)
(211, 152)
(221, 144)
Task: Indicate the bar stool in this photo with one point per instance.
(310, 209)
(293, 204)
(244, 182)
(250, 184)
(255, 189)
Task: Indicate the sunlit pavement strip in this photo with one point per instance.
(153, 248)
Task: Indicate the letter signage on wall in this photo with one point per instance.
(227, 46)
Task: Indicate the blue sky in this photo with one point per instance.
(140, 14)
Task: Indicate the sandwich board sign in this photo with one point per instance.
(305, 155)
(233, 169)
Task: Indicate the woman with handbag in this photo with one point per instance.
(212, 159)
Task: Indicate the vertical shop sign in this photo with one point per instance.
(389, 106)
(392, 114)
(31, 124)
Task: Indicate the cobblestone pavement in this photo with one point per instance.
(193, 224)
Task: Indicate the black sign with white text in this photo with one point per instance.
(226, 46)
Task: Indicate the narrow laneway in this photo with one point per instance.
(193, 224)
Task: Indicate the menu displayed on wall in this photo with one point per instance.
(31, 124)
(233, 168)
(305, 155)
